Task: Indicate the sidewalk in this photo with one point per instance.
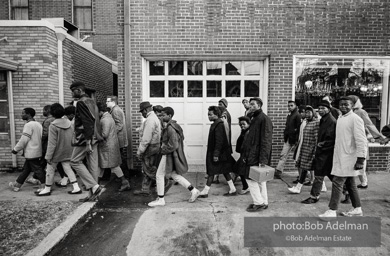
(214, 225)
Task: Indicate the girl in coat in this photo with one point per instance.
(219, 158)
(240, 166)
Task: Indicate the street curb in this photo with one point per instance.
(62, 230)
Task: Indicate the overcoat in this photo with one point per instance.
(60, 141)
(323, 160)
(309, 142)
(120, 123)
(218, 145)
(291, 132)
(173, 147)
(240, 166)
(257, 145)
(109, 153)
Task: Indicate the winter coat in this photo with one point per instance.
(351, 143)
(31, 140)
(218, 146)
(173, 147)
(120, 124)
(45, 132)
(240, 166)
(298, 148)
(150, 135)
(59, 146)
(86, 122)
(257, 146)
(291, 132)
(309, 142)
(335, 112)
(109, 153)
(323, 160)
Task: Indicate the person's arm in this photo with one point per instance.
(265, 141)
(360, 142)
(52, 143)
(24, 139)
(118, 118)
(105, 129)
(370, 126)
(87, 120)
(173, 141)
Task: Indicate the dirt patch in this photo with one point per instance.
(24, 224)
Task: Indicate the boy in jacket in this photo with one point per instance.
(173, 162)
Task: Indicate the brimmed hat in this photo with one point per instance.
(258, 99)
(324, 103)
(224, 102)
(310, 108)
(144, 105)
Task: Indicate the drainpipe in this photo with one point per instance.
(11, 118)
(61, 35)
(127, 30)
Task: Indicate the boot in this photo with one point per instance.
(125, 186)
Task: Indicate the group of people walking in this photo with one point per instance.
(86, 138)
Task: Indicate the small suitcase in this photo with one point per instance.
(261, 174)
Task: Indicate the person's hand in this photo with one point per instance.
(359, 163)
(320, 144)
(215, 159)
(384, 141)
(372, 140)
(88, 148)
(14, 152)
(262, 165)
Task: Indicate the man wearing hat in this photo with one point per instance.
(349, 155)
(323, 159)
(87, 134)
(149, 147)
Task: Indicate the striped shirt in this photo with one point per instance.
(31, 140)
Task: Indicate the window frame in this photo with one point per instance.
(6, 100)
(12, 8)
(385, 110)
(74, 7)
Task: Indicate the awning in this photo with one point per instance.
(6, 64)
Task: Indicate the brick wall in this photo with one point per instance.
(39, 9)
(95, 72)
(276, 28)
(35, 83)
(4, 9)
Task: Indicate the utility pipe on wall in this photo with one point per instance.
(61, 35)
(11, 117)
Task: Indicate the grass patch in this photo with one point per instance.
(24, 224)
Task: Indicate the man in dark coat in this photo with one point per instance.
(173, 161)
(256, 150)
(291, 134)
(323, 159)
(87, 134)
(334, 111)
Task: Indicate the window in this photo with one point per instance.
(365, 77)
(4, 120)
(19, 9)
(82, 13)
(198, 79)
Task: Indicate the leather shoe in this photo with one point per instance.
(140, 192)
(296, 181)
(44, 194)
(250, 206)
(74, 193)
(203, 196)
(278, 175)
(310, 200)
(85, 199)
(257, 208)
(230, 194)
(362, 187)
(97, 193)
(308, 183)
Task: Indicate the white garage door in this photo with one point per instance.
(191, 86)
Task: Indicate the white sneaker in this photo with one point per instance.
(13, 187)
(324, 189)
(244, 191)
(353, 212)
(194, 195)
(328, 214)
(295, 190)
(158, 202)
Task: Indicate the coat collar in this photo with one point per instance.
(347, 114)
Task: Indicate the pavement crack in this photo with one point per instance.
(213, 212)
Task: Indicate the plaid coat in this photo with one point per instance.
(309, 142)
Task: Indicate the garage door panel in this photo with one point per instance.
(195, 154)
(195, 111)
(193, 133)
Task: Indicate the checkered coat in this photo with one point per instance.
(309, 142)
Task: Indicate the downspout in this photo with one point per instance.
(61, 35)
(127, 30)
(11, 118)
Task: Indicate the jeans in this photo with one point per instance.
(88, 176)
(160, 177)
(258, 191)
(287, 148)
(32, 165)
(317, 185)
(337, 191)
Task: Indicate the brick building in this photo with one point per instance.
(96, 19)
(38, 62)
(190, 54)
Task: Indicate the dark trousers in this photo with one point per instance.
(317, 185)
(337, 191)
(32, 165)
(124, 167)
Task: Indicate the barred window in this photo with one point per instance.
(82, 12)
(4, 113)
(19, 9)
